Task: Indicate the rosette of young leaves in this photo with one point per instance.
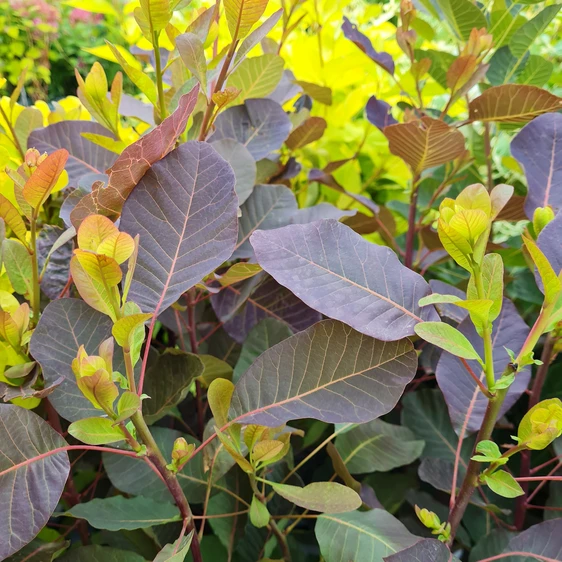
(541, 425)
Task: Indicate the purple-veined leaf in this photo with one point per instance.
(85, 157)
(538, 148)
(425, 550)
(243, 305)
(466, 403)
(31, 477)
(379, 113)
(384, 60)
(65, 325)
(260, 125)
(338, 273)
(328, 372)
(361, 536)
(286, 89)
(184, 210)
(544, 540)
(267, 208)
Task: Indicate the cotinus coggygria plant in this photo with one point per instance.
(234, 327)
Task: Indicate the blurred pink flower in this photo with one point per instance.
(77, 15)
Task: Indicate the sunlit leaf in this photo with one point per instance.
(241, 15)
(96, 431)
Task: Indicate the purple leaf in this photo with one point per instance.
(378, 113)
(544, 539)
(335, 271)
(466, 403)
(424, 551)
(56, 273)
(260, 125)
(384, 60)
(63, 326)
(320, 211)
(184, 209)
(328, 372)
(538, 147)
(85, 157)
(268, 207)
(243, 305)
(29, 492)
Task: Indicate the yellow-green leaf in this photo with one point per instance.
(241, 15)
(219, 396)
(551, 282)
(125, 327)
(448, 338)
(96, 431)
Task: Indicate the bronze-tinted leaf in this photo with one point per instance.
(134, 162)
(513, 103)
(311, 130)
(424, 143)
(85, 157)
(328, 372)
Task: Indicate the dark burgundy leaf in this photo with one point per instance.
(85, 157)
(384, 60)
(338, 273)
(538, 147)
(184, 210)
(56, 274)
(544, 539)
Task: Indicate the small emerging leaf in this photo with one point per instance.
(448, 338)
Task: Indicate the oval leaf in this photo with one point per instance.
(325, 497)
(328, 372)
(356, 281)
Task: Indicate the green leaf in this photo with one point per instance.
(503, 484)
(96, 553)
(259, 515)
(117, 512)
(19, 268)
(437, 298)
(128, 404)
(463, 16)
(241, 15)
(96, 431)
(325, 497)
(256, 77)
(503, 23)
(167, 382)
(214, 368)
(174, 552)
(124, 329)
(219, 397)
(361, 536)
(192, 54)
(551, 282)
(448, 338)
(492, 281)
(536, 71)
(489, 449)
(377, 446)
(528, 32)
